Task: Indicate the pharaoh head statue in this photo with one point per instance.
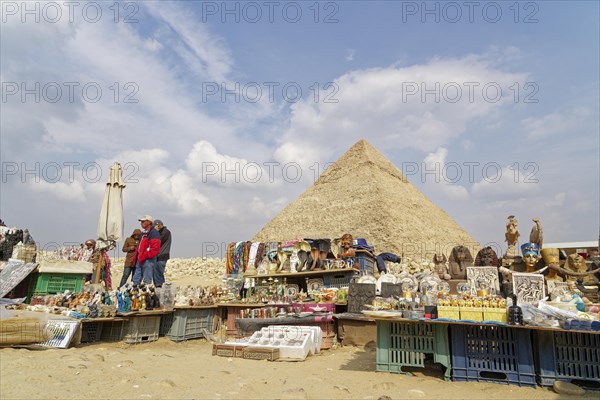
(576, 263)
(531, 253)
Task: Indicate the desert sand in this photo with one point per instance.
(186, 370)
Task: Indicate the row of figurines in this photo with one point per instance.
(101, 304)
(394, 303)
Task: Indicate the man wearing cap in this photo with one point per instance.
(163, 254)
(129, 247)
(146, 252)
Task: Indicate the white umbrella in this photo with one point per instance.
(111, 222)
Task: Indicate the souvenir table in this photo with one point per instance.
(247, 326)
(233, 310)
(494, 352)
(355, 329)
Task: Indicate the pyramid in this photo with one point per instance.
(366, 195)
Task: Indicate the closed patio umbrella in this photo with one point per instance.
(111, 221)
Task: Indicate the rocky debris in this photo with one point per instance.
(567, 388)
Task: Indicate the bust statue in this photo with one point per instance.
(551, 256)
(530, 256)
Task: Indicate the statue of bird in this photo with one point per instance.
(537, 234)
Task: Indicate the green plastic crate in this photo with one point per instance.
(404, 344)
(51, 283)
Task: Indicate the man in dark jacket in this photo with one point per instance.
(164, 253)
(129, 247)
(146, 252)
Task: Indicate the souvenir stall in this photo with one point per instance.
(526, 318)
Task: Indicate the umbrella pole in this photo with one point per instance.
(99, 266)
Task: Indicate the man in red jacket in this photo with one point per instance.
(146, 252)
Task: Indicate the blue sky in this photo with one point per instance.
(374, 59)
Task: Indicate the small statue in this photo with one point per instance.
(551, 257)
(107, 299)
(155, 301)
(537, 235)
(142, 300)
(120, 302)
(515, 314)
(486, 257)
(127, 302)
(460, 259)
(441, 266)
(512, 236)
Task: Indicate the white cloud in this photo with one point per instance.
(71, 192)
(439, 181)
(499, 184)
(391, 106)
(555, 123)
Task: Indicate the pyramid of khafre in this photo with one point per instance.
(364, 194)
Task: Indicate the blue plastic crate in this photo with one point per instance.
(568, 356)
(366, 262)
(405, 344)
(496, 354)
(338, 280)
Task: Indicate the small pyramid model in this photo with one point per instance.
(366, 195)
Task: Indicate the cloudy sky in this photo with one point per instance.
(223, 113)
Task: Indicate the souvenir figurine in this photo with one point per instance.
(126, 302)
(120, 303)
(142, 300)
(486, 257)
(530, 256)
(551, 257)
(511, 236)
(515, 314)
(537, 235)
(441, 266)
(155, 299)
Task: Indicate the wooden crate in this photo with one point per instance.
(228, 350)
(255, 353)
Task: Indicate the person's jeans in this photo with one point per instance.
(126, 272)
(386, 257)
(159, 273)
(144, 271)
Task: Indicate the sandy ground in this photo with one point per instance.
(186, 370)
(169, 370)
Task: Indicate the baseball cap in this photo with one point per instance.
(158, 222)
(146, 218)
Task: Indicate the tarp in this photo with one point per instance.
(111, 222)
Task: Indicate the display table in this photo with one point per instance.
(233, 310)
(355, 329)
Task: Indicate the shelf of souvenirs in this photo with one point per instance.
(318, 272)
